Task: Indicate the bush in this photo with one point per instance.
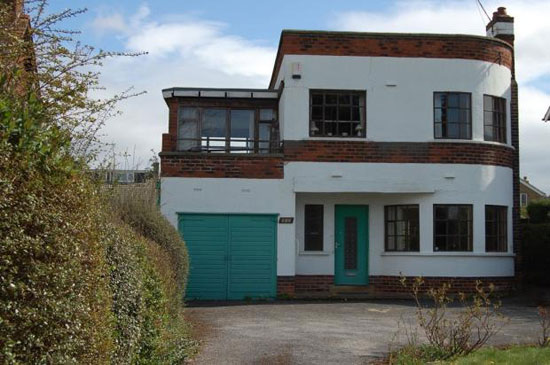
(539, 211)
(149, 309)
(80, 280)
(535, 243)
(54, 294)
(450, 335)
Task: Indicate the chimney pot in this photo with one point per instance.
(501, 10)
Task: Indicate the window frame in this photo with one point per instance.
(227, 148)
(470, 137)
(471, 232)
(521, 203)
(499, 246)
(338, 92)
(504, 118)
(321, 228)
(407, 236)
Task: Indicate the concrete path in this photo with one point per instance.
(321, 333)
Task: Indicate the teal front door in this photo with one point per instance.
(231, 256)
(351, 245)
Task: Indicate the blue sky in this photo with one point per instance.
(216, 43)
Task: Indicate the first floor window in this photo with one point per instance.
(496, 228)
(452, 115)
(337, 113)
(494, 118)
(313, 224)
(401, 222)
(453, 228)
(237, 130)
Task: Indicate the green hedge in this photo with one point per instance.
(535, 243)
(539, 211)
(81, 281)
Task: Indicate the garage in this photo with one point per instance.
(232, 256)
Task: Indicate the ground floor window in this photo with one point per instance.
(496, 228)
(313, 232)
(453, 227)
(401, 228)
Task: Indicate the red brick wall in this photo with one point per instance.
(313, 283)
(398, 152)
(390, 284)
(221, 165)
(391, 45)
(285, 285)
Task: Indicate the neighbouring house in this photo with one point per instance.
(370, 156)
(529, 193)
(546, 117)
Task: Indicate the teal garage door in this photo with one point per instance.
(232, 256)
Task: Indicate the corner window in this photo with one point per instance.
(496, 228)
(453, 228)
(337, 114)
(232, 130)
(452, 115)
(494, 118)
(401, 222)
(313, 228)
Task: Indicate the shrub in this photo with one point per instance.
(152, 251)
(544, 319)
(535, 243)
(54, 294)
(539, 211)
(452, 334)
(136, 205)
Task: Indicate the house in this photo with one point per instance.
(546, 117)
(529, 192)
(370, 156)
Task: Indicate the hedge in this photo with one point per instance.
(539, 211)
(535, 243)
(80, 281)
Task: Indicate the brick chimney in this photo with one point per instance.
(501, 26)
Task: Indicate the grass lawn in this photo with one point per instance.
(515, 355)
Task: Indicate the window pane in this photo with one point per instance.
(264, 136)
(313, 226)
(335, 110)
(465, 101)
(453, 227)
(496, 228)
(317, 99)
(267, 114)
(242, 124)
(344, 113)
(401, 228)
(487, 103)
(453, 100)
(331, 99)
(440, 100)
(452, 115)
(189, 113)
(213, 124)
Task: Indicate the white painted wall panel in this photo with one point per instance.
(403, 112)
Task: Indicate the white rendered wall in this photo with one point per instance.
(471, 184)
(212, 195)
(403, 112)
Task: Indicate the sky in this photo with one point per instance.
(214, 43)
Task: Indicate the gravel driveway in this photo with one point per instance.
(320, 333)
